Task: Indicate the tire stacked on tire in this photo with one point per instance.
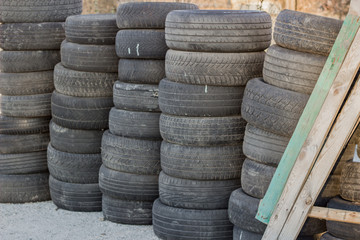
(212, 56)
(272, 107)
(80, 107)
(130, 152)
(30, 36)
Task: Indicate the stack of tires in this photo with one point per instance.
(128, 177)
(213, 55)
(31, 32)
(272, 107)
(80, 107)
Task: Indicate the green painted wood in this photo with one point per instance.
(308, 117)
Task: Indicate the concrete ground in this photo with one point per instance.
(38, 221)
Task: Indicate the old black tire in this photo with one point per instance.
(24, 188)
(218, 30)
(131, 155)
(305, 32)
(350, 181)
(10, 144)
(243, 234)
(136, 97)
(83, 84)
(14, 126)
(80, 112)
(196, 194)
(192, 224)
(141, 71)
(199, 101)
(147, 14)
(23, 163)
(328, 236)
(89, 58)
(217, 69)
(292, 70)
(73, 167)
(202, 163)
(271, 108)
(75, 196)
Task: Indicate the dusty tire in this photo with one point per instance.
(74, 196)
(305, 32)
(197, 131)
(10, 144)
(133, 124)
(328, 236)
(196, 194)
(350, 181)
(143, 44)
(141, 71)
(218, 31)
(73, 167)
(127, 186)
(147, 14)
(199, 101)
(28, 61)
(23, 163)
(216, 69)
(127, 212)
(80, 113)
(243, 234)
(136, 97)
(15, 126)
(292, 70)
(31, 36)
(271, 108)
(89, 58)
(99, 29)
(202, 163)
(192, 224)
(83, 84)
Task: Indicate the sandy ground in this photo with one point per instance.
(38, 221)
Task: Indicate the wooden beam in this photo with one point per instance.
(310, 114)
(336, 215)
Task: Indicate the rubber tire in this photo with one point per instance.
(74, 196)
(28, 61)
(191, 224)
(11, 144)
(133, 124)
(81, 113)
(328, 236)
(199, 101)
(97, 29)
(350, 181)
(304, 32)
(31, 36)
(330, 190)
(141, 71)
(340, 229)
(89, 58)
(271, 108)
(30, 83)
(23, 163)
(202, 163)
(216, 69)
(263, 146)
(16, 126)
(218, 31)
(246, 235)
(127, 212)
(127, 186)
(136, 97)
(147, 14)
(196, 194)
(256, 178)
(73, 167)
(83, 84)
(292, 70)
(131, 155)
(38, 11)
(195, 131)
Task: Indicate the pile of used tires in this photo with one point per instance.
(212, 56)
(30, 36)
(272, 107)
(129, 175)
(80, 108)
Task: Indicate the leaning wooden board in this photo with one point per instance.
(296, 148)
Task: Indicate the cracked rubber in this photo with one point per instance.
(350, 181)
(23, 143)
(141, 71)
(23, 163)
(15, 126)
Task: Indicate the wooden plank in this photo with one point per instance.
(310, 113)
(337, 215)
(315, 140)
